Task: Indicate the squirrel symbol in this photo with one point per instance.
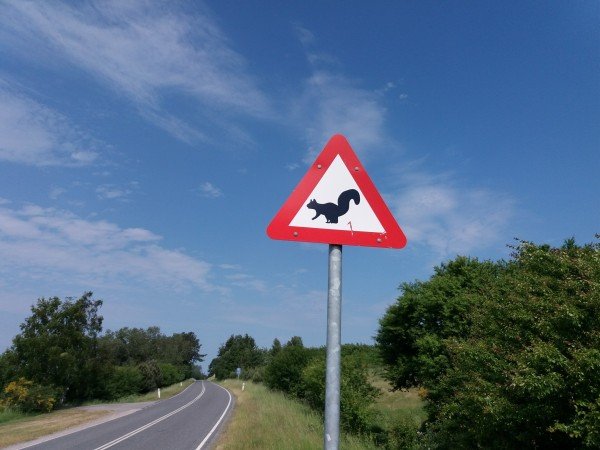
(331, 211)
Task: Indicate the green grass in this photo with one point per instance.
(264, 419)
(393, 406)
(8, 415)
(166, 392)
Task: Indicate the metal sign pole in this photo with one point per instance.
(334, 322)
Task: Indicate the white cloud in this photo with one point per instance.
(247, 282)
(113, 192)
(209, 190)
(56, 192)
(433, 211)
(31, 133)
(53, 244)
(333, 103)
(149, 51)
(305, 36)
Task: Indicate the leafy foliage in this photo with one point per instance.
(356, 393)
(27, 396)
(507, 353)
(58, 342)
(238, 351)
(125, 380)
(60, 346)
(284, 371)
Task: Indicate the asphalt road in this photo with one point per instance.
(188, 421)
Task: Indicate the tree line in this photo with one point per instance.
(505, 354)
(61, 355)
(299, 371)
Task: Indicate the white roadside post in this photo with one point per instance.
(158, 392)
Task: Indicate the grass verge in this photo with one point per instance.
(394, 406)
(25, 428)
(264, 419)
(17, 427)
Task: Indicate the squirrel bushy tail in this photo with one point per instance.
(344, 200)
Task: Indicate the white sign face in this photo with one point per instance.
(332, 204)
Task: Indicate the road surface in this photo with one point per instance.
(187, 421)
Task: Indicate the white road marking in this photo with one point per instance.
(154, 422)
(218, 421)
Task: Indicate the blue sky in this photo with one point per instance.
(145, 146)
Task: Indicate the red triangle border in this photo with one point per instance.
(279, 228)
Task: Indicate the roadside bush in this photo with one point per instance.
(170, 374)
(284, 372)
(124, 380)
(356, 393)
(255, 374)
(404, 435)
(26, 396)
(507, 353)
(151, 375)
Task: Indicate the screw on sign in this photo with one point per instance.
(336, 203)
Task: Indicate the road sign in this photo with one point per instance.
(337, 203)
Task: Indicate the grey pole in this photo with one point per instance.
(334, 323)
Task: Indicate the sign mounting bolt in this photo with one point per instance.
(356, 168)
(295, 233)
(319, 166)
(379, 240)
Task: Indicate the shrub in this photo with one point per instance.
(404, 435)
(170, 374)
(508, 355)
(284, 372)
(356, 393)
(151, 375)
(125, 380)
(27, 396)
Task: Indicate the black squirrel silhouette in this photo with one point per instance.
(331, 211)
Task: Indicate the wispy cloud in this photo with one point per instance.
(152, 52)
(339, 106)
(332, 102)
(209, 190)
(31, 133)
(436, 212)
(114, 192)
(49, 243)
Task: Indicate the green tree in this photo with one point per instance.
(124, 380)
(181, 349)
(58, 345)
(524, 370)
(131, 346)
(411, 332)
(284, 371)
(275, 348)
(238, 351)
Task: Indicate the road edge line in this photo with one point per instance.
(207, 437)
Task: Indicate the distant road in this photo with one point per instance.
(187, 421)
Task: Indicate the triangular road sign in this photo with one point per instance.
(337, 203)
